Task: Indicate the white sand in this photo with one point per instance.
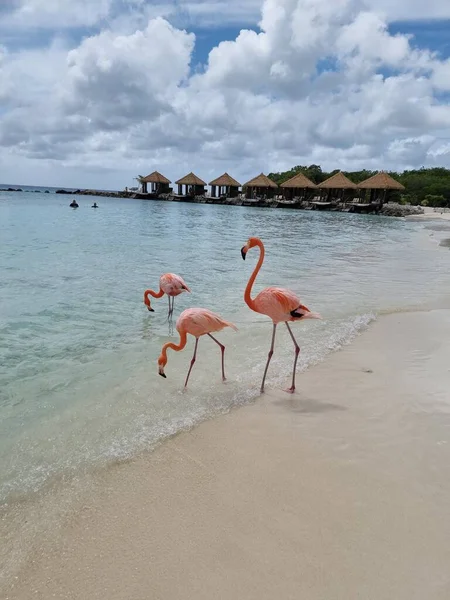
(429, 213)
(339, 492)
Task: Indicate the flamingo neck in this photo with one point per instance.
(148, 293)
(177, 347)
(247, 295)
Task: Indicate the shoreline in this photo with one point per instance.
(308, 496)
(389, 209)
(430, 214)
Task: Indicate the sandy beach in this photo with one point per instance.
(430, 213)
(340, 491)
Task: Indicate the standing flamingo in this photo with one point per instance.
(197, 322)
(169, 284)
(280, 304)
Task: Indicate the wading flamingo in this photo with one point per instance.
(197, 322)
(280, 304)
(170, 284)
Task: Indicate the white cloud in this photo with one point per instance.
(57, 13)
(406, 10)
(441, 75)
(320, 82)
(248, 12)
(50, 14)
(115, 80)
(411, 150)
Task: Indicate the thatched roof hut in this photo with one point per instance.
(299, 181)
(337, 182)
(378, 188)
(299, 185)
(156, 177)
(225, 185)
(336, 188)
(225, 180)
(193, 185)
(190, 179)
(260, 185)
(158, 183)
(381, 181)
(261, 181)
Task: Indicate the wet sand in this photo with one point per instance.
(338, 492)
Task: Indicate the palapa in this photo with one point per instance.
(261, 181)
(155, 177)
(381, 181)
(299, 181)
(225, 180)
(190, 179)
(338, 181)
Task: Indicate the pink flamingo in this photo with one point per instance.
(170, 284)
(197, 322)
(280, 304)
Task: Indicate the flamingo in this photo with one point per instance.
(280, 304)
(197, 322)
(170, 284)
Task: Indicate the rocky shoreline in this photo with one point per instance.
(401, 210)
(390, 209)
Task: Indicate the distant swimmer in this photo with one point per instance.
(73, 204)
(95, 205)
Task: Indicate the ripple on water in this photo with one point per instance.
(78, 382)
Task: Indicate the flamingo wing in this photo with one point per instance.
(277, 303)
(173, 284)
(200, 321)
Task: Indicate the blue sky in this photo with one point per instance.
(434, 35)
(425, 34)
(103, 88)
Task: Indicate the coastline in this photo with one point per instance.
(390, 209)
(336, 492)
(430, 214)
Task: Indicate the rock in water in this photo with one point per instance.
(392, 209)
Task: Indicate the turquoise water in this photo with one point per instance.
(78, 374)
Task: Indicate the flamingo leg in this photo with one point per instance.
(297, 351)
(170, 313)
(269, 357)
(222, 349)
(192, 363)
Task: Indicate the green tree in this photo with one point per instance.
(433, 184)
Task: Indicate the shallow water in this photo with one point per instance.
(78, 375)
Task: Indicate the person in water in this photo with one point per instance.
(95, 205)
(74, 204)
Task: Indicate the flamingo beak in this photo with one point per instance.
(243, 251)
(150, 309)
(161, 372)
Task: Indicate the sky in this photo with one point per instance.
(94, 93)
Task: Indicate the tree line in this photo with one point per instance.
(428, 187)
